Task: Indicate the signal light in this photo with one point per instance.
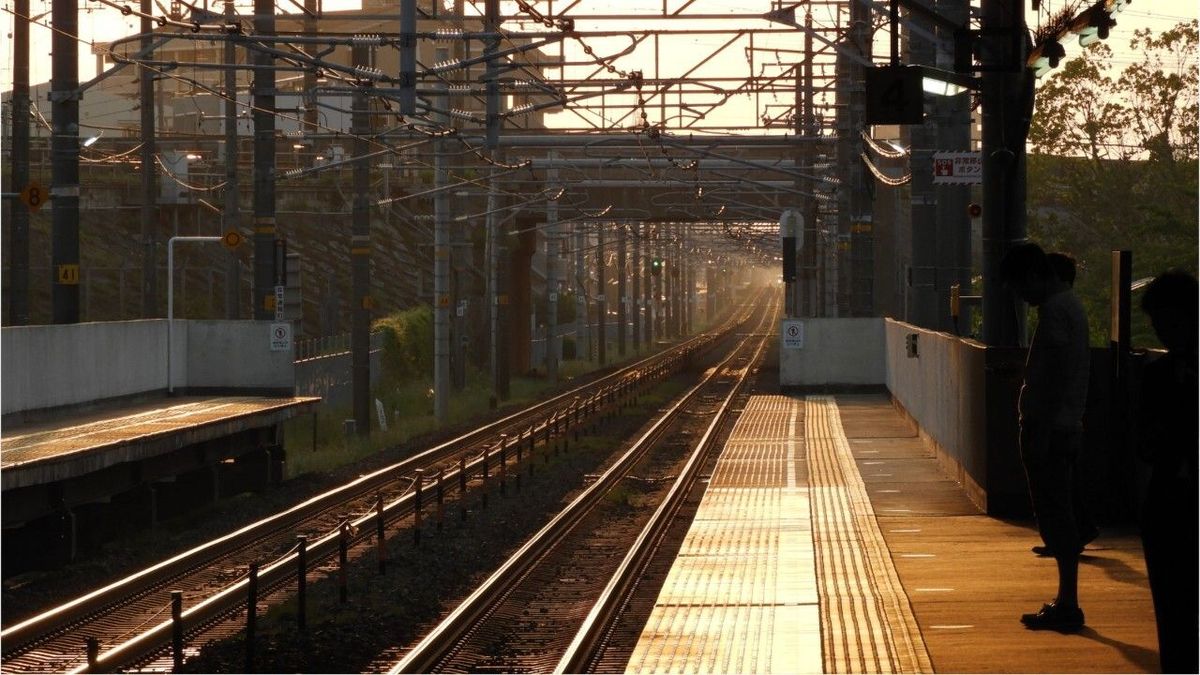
(656, 266)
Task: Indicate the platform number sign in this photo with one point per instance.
(894, 95)
(793, 334)
(33, 196)
(68, 275)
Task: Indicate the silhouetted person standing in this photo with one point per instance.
(1051, 412)
(1063, 267)
(1167, 435)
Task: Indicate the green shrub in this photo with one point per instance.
(407, 344)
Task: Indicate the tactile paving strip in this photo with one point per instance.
(742, 596)
(867, 623)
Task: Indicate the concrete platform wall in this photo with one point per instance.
(63, 365)
(835, 352)
(943, 390)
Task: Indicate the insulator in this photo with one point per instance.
(368, 72)
(366, 39)
(447, 34)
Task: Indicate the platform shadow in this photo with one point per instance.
(1145, 658)
(1115, 569)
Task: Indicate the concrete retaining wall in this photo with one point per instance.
(835, 352)
(943, 390)
(64, 365)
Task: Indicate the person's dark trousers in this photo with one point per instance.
(1169, 540)
(1049, 455)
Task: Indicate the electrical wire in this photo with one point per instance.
(882, 177)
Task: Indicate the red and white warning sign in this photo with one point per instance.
(957, 168)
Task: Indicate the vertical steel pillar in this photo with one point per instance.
(550, 236)
(601, 299)
(64, 152)
(637, 304)
(1007, 99)
(582, 335)
(18, 248)
(922, 280)
(952, 220)
(622, 298)
(360, 259)
(264, 167)
(149, 174)
(230, 218)
(862, 236)
(441, 262)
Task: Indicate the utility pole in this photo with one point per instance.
(862, 237)
(601, 299)
(922, 278)
(360, 258)
(492, 226)
(657, 302)
(647, 284)
(64, 151)
(230, 217)
(622, 299)
(689, 285)
(500, 327)
(264, 166)
(953, 115)
(310, 74)
(808, 271)
(637, 305)
(441, 261)
(1007, 103)
(667, 275)
(550, 235)
(581, 313)
(149, 173)
(18, 280)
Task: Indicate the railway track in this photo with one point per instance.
(563, 581)
(136, 620)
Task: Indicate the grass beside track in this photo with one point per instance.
(409, 410)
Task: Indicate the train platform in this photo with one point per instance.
(829, 540)
(73, 445)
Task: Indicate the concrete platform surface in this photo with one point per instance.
(74, 445)
(829, 540)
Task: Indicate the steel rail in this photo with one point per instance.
(27, 634)
(582, 650)
(426, 655)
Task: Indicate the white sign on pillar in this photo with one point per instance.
(793, 334)
(281, 337)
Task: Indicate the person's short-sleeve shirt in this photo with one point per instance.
(1057, 369)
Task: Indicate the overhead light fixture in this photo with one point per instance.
(192, 156)
(941, 87)
(91, 140)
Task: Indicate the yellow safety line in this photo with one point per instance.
(867, 624)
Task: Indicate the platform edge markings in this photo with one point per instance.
(729, 605)
(867, 620)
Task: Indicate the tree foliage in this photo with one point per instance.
(1113, 165)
